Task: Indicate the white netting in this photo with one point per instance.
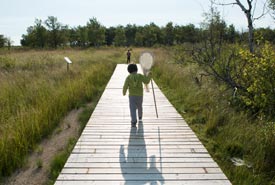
(146, 60)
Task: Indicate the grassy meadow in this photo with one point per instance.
(227, 130)
(37, 91)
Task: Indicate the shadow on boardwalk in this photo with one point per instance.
(134, 168)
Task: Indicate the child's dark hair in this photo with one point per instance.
(132, 68)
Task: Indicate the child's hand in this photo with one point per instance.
(146, 72)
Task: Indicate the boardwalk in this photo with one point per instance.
(160, 150)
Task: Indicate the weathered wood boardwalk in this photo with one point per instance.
(160, 150)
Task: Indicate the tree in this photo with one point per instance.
(231, 34)
(40, 34)
(96, 33)
(139, 38)
(82, 33)
(36, 35)
(110, 36)
(29, 38)
(248, 10)
(130, 33)
(169, 34)
(151, 35)
(56, 32)
(265, 34)
(271, 5)
(218, 59)
(3, 41)
(186, 33)
(120, 38)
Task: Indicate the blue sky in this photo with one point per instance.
(17, 15)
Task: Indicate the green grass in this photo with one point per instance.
(224, 128)
(37, 92)
(60, 159)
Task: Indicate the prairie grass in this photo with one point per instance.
(226, 129)
(60, 159)
(37, 91)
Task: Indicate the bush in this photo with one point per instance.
(258, 78)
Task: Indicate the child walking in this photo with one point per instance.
(128, 56)
(134, 82)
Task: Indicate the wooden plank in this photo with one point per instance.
(139, 139)
(140, 171)
(142, 177)
(140, 153)
(160, 150)
(140, 165)
(166, 182)
(139, 160)
(149, 151)
(126, 137)
(117, 146)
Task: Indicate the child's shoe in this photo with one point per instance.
(134, 124)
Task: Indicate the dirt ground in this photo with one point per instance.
(31, 173)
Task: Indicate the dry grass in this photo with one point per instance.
(37, 91)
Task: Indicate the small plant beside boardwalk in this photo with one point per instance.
(37, 91)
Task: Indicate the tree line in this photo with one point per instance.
(5, 41)
(52, 34)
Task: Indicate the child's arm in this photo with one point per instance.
(146, 79)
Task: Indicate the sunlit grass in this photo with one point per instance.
(37, 91)
(225, 129)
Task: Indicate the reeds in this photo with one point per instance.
(226, 129)
(36, 91)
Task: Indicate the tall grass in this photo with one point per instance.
(37, 91)
(225, 129)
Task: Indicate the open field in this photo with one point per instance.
(37, 91)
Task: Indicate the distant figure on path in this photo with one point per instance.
(128, 56)
(134, 82)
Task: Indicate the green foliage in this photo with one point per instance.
(96, 33)
(39, 163)
(59, 161)
(268, 136)
(38, 91)
(212, 124)
(51, 33)
(224, 131)
(57, 32)
(271, 4)
(3, 41)
(151, 35)
(188, 33)
(39, 37)
(198, 119)
(7, 63)
(234, 150)
(86, 113)
(214, 54)
(120, 38)
(258, 77)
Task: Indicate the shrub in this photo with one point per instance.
(258, 78)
